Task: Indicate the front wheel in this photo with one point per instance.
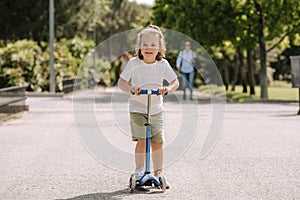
(163, 182)
(132, 183)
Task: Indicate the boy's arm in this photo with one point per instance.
(123, 85)
(173, 85)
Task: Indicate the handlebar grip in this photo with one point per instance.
(143, 91)
(154, 92)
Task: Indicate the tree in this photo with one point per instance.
(29, 19)
(247, 25)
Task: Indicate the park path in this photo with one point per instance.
(257, 157)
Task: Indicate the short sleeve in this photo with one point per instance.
(169, 74)
(127, 72)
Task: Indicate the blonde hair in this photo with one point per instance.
(151, 29)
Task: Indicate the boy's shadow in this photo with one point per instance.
(116, 195)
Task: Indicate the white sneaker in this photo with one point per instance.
(139, 173)
(167, 183)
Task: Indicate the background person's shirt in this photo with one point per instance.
(147, 76)
(184, 60)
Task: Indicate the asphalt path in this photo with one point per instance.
(49, 152)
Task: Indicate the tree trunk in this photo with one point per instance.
(243, 71)
(250, 74)
(235, 72)
(226, 77)
(262, 48)
(224, 64)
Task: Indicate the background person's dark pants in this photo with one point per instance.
(188, 79)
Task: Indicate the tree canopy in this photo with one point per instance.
(221, 26)
(29, 19)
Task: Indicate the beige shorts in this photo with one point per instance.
(138, 128)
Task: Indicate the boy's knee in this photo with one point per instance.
(156, 145)
(141, 141)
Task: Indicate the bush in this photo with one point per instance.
(24, 62)
(21, 64)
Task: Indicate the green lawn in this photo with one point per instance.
(278, 91)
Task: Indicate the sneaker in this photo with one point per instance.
(139, 173)
(167, 183)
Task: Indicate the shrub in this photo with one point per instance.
(21, 63)
(24, 62)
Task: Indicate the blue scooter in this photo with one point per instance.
(147, 179)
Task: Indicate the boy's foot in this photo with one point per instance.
(167, 183)
(138, 175)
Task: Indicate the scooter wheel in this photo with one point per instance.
(132, 183)
(163, 183)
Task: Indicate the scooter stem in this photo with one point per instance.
(148, 134)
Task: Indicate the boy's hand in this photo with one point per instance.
(163, 90)
(136, 91)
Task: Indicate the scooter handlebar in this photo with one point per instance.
(152, 92)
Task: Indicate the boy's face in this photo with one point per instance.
(150, 47)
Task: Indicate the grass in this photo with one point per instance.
(278, 91)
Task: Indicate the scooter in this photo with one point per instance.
(147, 179)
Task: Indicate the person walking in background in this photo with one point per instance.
(185, 66)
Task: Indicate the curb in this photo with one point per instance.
(48, 94)
(270, 101)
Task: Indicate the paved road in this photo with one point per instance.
(43, 155)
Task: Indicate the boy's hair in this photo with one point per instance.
(154, 30)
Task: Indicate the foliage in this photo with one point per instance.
(24, 62)
(111, 17)
(30, 19)
(24, 32)
(226, 27)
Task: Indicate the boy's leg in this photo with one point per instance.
(140, 150)
(157, 156)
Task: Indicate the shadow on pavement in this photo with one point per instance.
(286, 115)
(116, 195)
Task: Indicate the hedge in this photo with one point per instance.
(25, 62)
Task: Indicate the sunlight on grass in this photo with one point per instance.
(278, 91)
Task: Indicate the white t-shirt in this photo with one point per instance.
(147, 76)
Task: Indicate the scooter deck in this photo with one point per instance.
(148, 180)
